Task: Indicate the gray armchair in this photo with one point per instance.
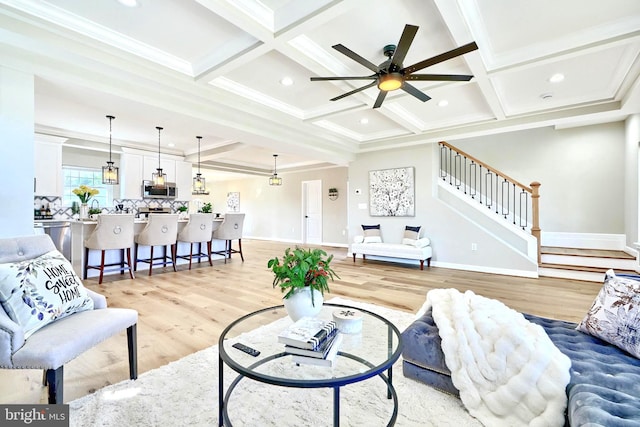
(50, 347)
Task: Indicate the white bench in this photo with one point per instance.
(393, 250)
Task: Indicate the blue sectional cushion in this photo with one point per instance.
(605, 381)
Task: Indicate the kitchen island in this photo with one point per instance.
(80, 230)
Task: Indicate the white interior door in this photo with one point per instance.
(312, 212)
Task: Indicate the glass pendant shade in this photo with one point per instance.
(199, 185)
(275, 179)
(110, 174)
(159, 178)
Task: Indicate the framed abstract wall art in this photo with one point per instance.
(392, 192)
(233, 201)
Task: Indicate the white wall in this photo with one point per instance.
(632, 176)
(275, 213)
(581, 171)
(16, 152)
(451, 234)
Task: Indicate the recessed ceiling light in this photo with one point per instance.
(556, 78)
(443, 103)
(129, 3)
(286, 81)
(171, 144)
(364, 121)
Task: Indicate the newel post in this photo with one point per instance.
(535, 206)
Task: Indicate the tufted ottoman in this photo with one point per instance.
(605, 381)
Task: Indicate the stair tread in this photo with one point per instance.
(598, 253)
(584, 268)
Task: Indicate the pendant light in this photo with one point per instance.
(110, 172)
(275, 179)
(199, 186)
(159, 178)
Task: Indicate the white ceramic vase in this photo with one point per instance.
(299, 304)
(84, 211)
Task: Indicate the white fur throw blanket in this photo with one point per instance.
(506, 368)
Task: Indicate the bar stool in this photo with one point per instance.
(230, 229)
(114, 231)
(197, 230)
(161, 230)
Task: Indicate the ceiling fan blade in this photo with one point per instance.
(403, 45)
(381, 96)
(440, 77)
(359, 59)
(353, 91)
(440, 58)
(411, 90)
(320, 79)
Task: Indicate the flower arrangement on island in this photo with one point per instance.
(85, 193)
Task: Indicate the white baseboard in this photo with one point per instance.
(611, 242)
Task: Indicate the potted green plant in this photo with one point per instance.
(182, 212)
(94, 212)
(303, 276)
(206, 208)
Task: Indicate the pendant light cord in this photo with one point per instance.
(110, 118)
(199, 138)
(159, 129)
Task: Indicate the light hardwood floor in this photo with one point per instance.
(183, 312)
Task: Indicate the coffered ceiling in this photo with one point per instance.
(214, 68)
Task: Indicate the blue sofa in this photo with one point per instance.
(604, 389)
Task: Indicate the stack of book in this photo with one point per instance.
(312, 341)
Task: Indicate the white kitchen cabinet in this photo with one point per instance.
(131, 176)
(151, 165)
(184, 180)
(48, 168)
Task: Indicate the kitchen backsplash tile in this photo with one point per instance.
(59, 212)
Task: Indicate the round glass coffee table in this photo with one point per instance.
(369, 353)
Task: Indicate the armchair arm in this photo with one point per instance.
(11, 339)
(99, 301)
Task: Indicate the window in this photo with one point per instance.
(75, 177)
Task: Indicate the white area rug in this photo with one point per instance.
(185, 393)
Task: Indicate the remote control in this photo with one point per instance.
(251, 351)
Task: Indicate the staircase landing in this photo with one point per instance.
(584, 264)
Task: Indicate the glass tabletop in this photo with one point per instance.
(361, 355)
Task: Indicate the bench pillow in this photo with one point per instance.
(41, 290)
(412, 233)
(372, 233)
(614, 316)
(418, 243)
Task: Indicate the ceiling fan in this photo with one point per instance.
(391, 75)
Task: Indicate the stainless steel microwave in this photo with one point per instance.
(150, 192)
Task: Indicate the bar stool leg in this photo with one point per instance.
(174, 253)
(240, 249)
(129, 263)
(151, 261)
(135, 256)
(209, 252)
(86, 263)
(101, 266)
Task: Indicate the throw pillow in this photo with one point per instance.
(412, 232)
(614, 316)
(372, 233)
(38, 291)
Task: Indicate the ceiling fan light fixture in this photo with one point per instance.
(389, 82)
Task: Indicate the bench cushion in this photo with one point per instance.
(394, 250)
